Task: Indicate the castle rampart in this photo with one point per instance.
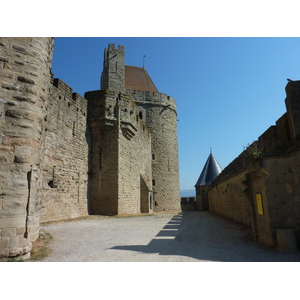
(65, 165)
(260, 187)
(65, 156)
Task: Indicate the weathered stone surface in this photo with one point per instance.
(60, 159)
(286, 240)
(20, 120)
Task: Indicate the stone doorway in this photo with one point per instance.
(145, 196)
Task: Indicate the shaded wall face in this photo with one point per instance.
(266, 196)
(65, 166)
(135, 173)
(228, 199)
(24, 84)
(120, 154)
(202, 203)
(103, 163)
(134, 163)
(293, 108)
(282, 193)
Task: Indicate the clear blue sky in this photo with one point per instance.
(228, 90)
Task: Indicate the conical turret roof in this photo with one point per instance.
(210, 171)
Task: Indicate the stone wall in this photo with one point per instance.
(65, 165)
(281, 194)
(158, 111)
(63, 156)
(228, 199)
(120, 170)
(25, 65)
(260, 188)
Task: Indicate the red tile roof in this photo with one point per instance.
(138, 79)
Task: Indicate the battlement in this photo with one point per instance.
(72, 155)
(277, 140)
(65, 93)
(113, 75)
(112, 46)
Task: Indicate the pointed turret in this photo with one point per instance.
(210, 171)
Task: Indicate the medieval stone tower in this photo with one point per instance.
(63, 156)
(127, 105)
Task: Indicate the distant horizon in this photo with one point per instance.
(188, 193)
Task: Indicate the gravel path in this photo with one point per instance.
(188, 237)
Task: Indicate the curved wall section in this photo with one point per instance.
(25, 65)
(158, 112)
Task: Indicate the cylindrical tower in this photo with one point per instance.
(25, 65)
(159, 113)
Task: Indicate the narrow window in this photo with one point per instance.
(73, 131)
(141, 115)
(153, 181)
(29, 175)
(153, 156)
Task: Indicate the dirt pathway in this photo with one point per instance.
(188, 237)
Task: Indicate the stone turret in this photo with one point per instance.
(113, 75)
(25, 77)
(158, 111)
(203, 185)
(157, 114)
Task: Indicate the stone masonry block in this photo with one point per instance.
(5, 242)
(286, 240)
(8, 232)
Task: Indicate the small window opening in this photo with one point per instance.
(51, 184)
(141, 115)
(153, 156)
(73, 131)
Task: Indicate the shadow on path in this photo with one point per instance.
(205, 237)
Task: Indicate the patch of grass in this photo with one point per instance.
(15, 259)
(40, 248)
